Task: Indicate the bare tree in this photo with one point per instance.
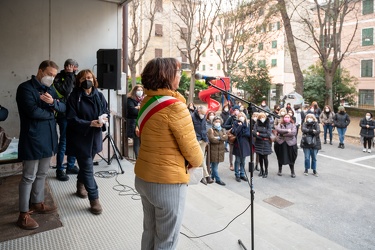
(197, 20)
(298, 76)
(144, 18)
(324, 29)
(238, 32)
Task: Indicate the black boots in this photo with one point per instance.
(265, 172)
(341, 145)
(280, 170)
(261, 171)
(292, 174)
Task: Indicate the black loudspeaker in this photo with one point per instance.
(109, 68)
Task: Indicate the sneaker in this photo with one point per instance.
(315, 173)
(364, 150)
(306, 172)
(73, 170)
(368, 150)
(238, 179)
(61, 175)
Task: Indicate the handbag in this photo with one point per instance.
(308, 141)
(4, 140)
(231, 137)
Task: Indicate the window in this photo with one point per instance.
(218, 66)
(260, 46)
(219, 52)
(367, 7)
(211, 66)
(262, 63)
(273, 62)
(158, 53)
(204, 54)
(261, 12)
(159, 5)
(240, 65)
(219, 22)
(366, 97)
(183, 56)
(366, 68)
(240, 48)
(274, 26)
(274, 44)
(368, 37)
(158, 30)
(217, 38)
(203, 67)
(204, 40)
(184, 33)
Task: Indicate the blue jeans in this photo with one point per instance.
(86, 176)
(62, 122)
(214, 171)
(310, 153)
(329, 128)
(239, 166)
(341, 132)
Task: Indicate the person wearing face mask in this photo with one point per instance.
(281, 113)
(217, 136)
(64, 83)
(84, 133)
(341, 121)
(210, 117)
(367, 125)
(200, 128)
(191, 107)
(241, 146)
(255, 118)
(37, 103)
(262, 132)
(133, 104)
(326, 118)
(311, 128)
(228, 124)
(285, 145)
(315, 110)
(224, 116)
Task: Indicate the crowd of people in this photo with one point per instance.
(158, 115)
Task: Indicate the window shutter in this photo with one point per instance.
(368, 37)
(367, 7)
(158, 30)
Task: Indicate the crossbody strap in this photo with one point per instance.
(153, 105)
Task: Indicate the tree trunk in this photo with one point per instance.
(329, 96)
(292, 47)
(191, 89)
(133, 74)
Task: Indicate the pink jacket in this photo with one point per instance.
(284, 135)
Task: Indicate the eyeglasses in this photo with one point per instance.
(179, 71)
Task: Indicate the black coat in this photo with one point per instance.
(241, 146)
(131, 116)
(262, 141)
(308, 129)
(38, 135)
(341, 120)
(200, 126)
(83, 140)
(367, 132)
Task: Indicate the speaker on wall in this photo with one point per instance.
(109, 68)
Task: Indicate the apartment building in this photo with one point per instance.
(361, 56)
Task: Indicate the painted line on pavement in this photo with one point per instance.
(350, 161)
(362, 158)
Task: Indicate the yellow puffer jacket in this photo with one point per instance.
(167, 137)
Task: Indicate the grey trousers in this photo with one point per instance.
(31, 187)
(163, 209)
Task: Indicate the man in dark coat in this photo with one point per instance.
(37, 104)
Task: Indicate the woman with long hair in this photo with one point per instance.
(326, 118)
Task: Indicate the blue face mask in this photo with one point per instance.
(218, 127)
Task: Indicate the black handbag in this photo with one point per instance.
(308, 141)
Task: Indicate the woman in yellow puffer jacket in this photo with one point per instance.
(167, 141)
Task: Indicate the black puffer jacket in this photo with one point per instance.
(262, 141)
(367, 132)
(341, 120)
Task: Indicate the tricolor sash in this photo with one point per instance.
(153, 105)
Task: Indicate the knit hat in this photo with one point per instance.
(341, 108)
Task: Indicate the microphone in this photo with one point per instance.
(206, 78)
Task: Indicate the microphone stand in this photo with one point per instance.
(251, 163)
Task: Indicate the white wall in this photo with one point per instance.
(32, 33)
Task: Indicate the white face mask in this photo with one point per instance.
(263, 120)
(255, 119)
(242, 119)
(139, 93)
(241, 109)
(368, 117)
(312, 110)
(327, 110)
(201, 116)
(226, 110)
(309, 119)
(211, 117)
(236, 112)
(282, 113)
(217, 124)
(47, 80)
